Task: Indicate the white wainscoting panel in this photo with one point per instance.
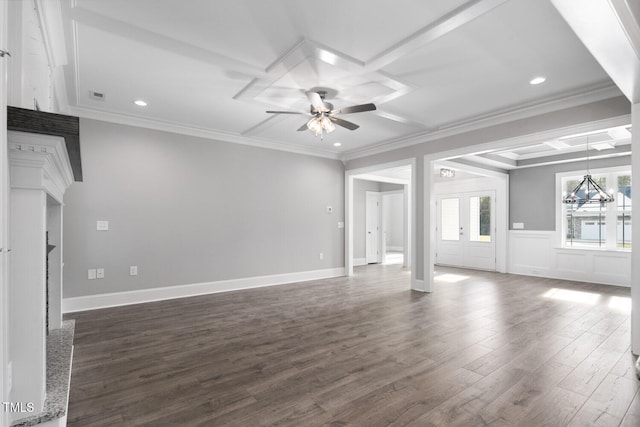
(535, 253)
(529, 252)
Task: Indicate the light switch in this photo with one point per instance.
(133, 270)
(100, 273)
(102, 225)
(340, 224)
(91, 274)
(329, 209)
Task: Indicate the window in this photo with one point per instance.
(598, 225)
(480, 218)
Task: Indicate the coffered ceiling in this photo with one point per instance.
(212, 68)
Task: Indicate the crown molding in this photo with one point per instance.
(178, 128)
(548, 105)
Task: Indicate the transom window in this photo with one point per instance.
(607, 225)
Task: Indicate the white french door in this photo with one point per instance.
(466, 230)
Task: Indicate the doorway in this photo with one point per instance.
(466, 230)
(398, 176)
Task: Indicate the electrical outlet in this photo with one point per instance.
(91, 275)
(100, 273)
(133, 270)
(321, 255)
(102, 225)
(340, 224)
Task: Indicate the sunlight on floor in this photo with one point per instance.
(450, 278)
(393, 257)
(622, 304)
(573, 296)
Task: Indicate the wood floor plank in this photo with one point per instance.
(484, 348)
(609, 402)
(632, 417)
(511, 407)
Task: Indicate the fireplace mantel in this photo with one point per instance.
(40, 173)
(39, 162)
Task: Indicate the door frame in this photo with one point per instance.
(502, 212)
(409, 206)
(380, 243)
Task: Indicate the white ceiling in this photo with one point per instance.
(212, 68)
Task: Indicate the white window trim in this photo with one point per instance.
(560, 228)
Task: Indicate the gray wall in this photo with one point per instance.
(532, 191)
(393, 220)
(190, 210)
(386, 186)
(360, 187)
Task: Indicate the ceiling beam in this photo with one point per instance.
(610, 29)
(623, 150)
(444, 25)
(497, 158)
(160, 41)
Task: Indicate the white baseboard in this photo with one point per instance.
(92, 302)
(359, 261)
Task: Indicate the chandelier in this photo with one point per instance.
(587, 191)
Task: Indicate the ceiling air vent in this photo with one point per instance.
(96, 96)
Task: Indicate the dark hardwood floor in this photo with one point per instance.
(483, 349)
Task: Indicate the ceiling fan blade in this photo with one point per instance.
(355, 109)
(343, 123)
(303, 127)
(286, 112)
(316, 101)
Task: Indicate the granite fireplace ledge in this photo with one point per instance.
(59, 359)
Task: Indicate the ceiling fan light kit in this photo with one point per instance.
(322, 114)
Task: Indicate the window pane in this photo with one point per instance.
(623, 200)
(450, 218)
(480, 219)
(586, 229)
(624, 231)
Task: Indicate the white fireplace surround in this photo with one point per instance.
(40, 174)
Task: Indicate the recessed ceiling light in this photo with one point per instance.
(538, 80)
(140, 103)
(337, 144)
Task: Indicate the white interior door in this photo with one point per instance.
(373, 218)
(466, 230)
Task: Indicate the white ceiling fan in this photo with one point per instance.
(323, 116)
